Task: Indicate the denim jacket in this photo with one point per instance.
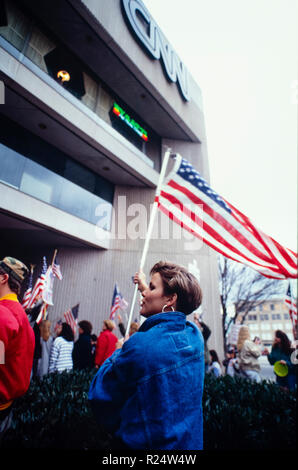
(149, 393)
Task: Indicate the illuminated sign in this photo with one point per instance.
(156, 43)
(129, 121)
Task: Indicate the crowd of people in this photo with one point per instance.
(242, 360)
(147, 391)
(60, 351)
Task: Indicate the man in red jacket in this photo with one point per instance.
(16, 339)
(106, 343)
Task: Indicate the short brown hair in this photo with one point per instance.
(177, 280)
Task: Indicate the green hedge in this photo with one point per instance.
(238, 414)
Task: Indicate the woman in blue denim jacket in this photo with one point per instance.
(148, 394)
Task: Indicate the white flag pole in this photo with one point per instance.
(149, 231)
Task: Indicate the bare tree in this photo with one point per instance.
(244, 288)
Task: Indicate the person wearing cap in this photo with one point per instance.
(16, 339)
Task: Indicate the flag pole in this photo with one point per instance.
(149, 231)
(54, 257)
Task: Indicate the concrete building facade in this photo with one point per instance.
(93, 95)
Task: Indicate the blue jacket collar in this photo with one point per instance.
(176, 317)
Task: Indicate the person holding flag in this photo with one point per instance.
(148, 394)
(38, 287)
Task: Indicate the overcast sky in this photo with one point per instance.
(243, 55)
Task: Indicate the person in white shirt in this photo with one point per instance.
(61, 351)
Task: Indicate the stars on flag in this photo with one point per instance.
(190, 174)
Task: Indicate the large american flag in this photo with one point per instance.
(118, 301)
(188, 200)
(28, 292)
(292, 308)
(71, 317)
(39, 284)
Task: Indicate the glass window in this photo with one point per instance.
(79, 175)
(286, 316)
(75, 200)
(41, 183)
(17, 27)
(276, 316)
(272, 306)
(252, 317)
(11, 166)
(75, 191)
(72, 73)
(264, 316)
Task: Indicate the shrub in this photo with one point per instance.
(238, 414)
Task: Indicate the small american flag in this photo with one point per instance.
(118, 301)
(42, 314)
(292, 308)
(39, 284)
(28, 293)
(189, 201)
(71, 317)
(56, 269)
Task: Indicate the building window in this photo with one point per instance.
(252, 317)
(42, 171)
(276, 316)
(286, 316)
(272, 306)
(72, 74)
(264, 316)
